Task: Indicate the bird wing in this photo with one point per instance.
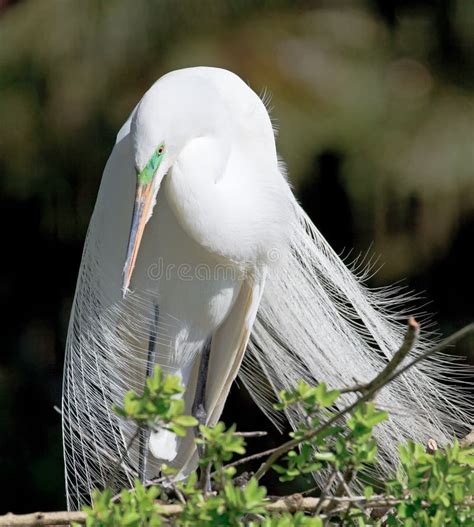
(229, 343)
(94, 377)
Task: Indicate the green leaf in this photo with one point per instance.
(186, 420)
(326, 397)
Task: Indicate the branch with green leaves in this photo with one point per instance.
(334, 442)
(160, 406)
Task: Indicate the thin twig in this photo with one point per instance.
(309, 491)
(179, 494)
(125, 452)
(325, 490)
(345, 481)
(446, 343)
(409, 341)
(147, 484)
(251, 434)
(252, 457)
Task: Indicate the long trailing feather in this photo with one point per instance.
(318, 321)
(106, 349)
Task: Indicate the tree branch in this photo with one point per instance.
(290, 504)
(42, 518)
(446, 343)
(408, 343)
(368, 391)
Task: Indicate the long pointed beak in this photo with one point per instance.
(141, 213)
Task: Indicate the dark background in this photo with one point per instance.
(374, 101)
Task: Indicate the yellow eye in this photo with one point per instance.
(161, 150)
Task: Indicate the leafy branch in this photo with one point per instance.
(161, 406)
(368, 391)
(432, 487)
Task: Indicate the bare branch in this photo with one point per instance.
(325, 490)
(408, 344)
(446, 343)
(290, 504)
(42, 518)
(251, 434)
(252, 457)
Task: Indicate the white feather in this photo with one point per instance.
(317, 321)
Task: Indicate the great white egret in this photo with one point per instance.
(199, 258)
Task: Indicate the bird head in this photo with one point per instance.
(178, 108)
(148, 182)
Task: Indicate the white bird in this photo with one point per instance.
(198, 251)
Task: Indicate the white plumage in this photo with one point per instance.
(225, 237)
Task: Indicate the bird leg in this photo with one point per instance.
(199, 405)
(199, 410)
(150, 361)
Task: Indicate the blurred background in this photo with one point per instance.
(374, 102)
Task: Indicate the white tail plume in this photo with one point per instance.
(316, 321)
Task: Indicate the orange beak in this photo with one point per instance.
(141, 213)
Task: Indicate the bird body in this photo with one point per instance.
(207, 234)
(195, 204)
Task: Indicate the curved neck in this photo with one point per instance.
(194, 190)
(231, 201)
